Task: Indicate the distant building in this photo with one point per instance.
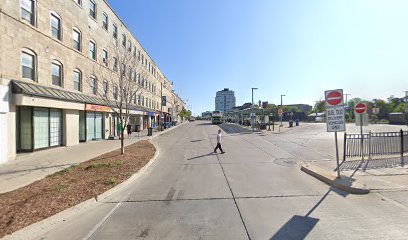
(206, 114)
(302, 107)
(224, 100)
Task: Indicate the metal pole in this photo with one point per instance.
(362, 137)
(402, 147)
(337, 155)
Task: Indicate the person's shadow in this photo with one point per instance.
(205, 155)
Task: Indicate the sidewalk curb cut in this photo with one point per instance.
(344, 184)
(35, 230)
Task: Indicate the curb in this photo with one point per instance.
(35, 230)
(346, 184)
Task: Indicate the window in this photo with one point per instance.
(130, 73)
(142, 58)
(76, 36)
(115, 34)
(115, 64)
(124, 40)
(79, 2)
(56, 72)
(27, 11)
(56, 27)
(149, 66)
(105, 21)
(123, 72)
(77, 80)
(134, 52)
(105, 57)
(92, 9)
(94, 85)
(138, 55)
(105, 88)
(28, 65)
(129, 46)
(92, 50)
(138, 78)
(115, 92)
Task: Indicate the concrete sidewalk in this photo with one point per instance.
(30, 167)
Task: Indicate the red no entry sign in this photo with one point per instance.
(334, 97)
(360, 108)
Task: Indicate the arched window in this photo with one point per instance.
(28, 9)
(93, 84)
(28, 64)
(77, 80)
(92, 9)
(56, 26)
(92, 50)
(77, 39)
(115, 92)
(105, 88)
(56, 72)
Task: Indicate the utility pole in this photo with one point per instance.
(406, 96)
(281, 100)
(253, 95)
(346, 94)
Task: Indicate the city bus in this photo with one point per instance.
(216, 117)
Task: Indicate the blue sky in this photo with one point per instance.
(297, 48)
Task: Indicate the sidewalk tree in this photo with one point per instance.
(122, 79)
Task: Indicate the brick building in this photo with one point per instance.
(56, 57)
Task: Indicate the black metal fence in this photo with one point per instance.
(375, 144)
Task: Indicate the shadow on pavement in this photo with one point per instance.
(298, 227)
(205, 155)
(373, 163)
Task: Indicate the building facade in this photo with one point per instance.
(224, 100)
(64, 66)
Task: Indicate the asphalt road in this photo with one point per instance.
(254, 191)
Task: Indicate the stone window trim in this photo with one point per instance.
(33, 20)
(93, 9)
(105, 88)
(93, 84)
(78, 2)
(105, 57)
(93, 54)
(77, 30)
(35, 62)
(79, 72)
(105, 21)
(55, 15)
(57, 63)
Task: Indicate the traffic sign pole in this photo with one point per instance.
(335, 118)
(337, 154)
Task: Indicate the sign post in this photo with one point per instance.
(280, 113)
(335, 117)
(360, 109)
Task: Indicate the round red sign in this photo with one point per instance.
(360, 108)
(334, 98)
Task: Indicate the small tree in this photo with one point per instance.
(123, 78)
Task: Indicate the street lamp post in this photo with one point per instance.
(253, 95)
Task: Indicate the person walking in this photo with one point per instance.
(129, 130)
(219, 143)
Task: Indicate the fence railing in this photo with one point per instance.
(375, 144)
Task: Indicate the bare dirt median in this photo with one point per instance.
(71, 186)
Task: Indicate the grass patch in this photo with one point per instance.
(111, 181)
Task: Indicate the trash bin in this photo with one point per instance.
(297, 122)
(149, 131)
(290, 123)
(137, 128)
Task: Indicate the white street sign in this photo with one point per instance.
(335, 119)
(363, 117)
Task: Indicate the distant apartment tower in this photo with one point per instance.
(224, 100)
